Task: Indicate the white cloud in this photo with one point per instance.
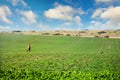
(64, 28)
(17, 2)
(60, 12)
(28, 17)
(5, 12)
(110, 18)
(79, 11)
(66, 24)
(4, 28)
(104, 1)
(112, 13)
(78, 21)
(97, 25)
(66, 13)
(97, 12)
(63, 12)
(42, 26)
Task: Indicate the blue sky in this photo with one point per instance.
(43, 15)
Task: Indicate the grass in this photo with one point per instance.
(59, 57)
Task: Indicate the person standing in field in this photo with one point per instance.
(29, 48)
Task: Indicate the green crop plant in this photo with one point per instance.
(59, 58)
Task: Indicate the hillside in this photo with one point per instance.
(77, 33)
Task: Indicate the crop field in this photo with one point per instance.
(59, 58)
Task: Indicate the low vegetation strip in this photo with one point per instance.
(26, 74)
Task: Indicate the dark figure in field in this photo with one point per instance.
(28, 48)
(101, 52)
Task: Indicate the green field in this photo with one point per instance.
(59, 58)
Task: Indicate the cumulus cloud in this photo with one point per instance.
(17, 2)
(78, 20)
(28, 17)
(96, 25)
(97, 12)
(66, 24)
(110, 18)
(42, 26)
(4, 28)
(64, 28)
(112, 13)
(104, 1)
(60, 12)
(5, 12)
(63, 12)
(79, 11)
